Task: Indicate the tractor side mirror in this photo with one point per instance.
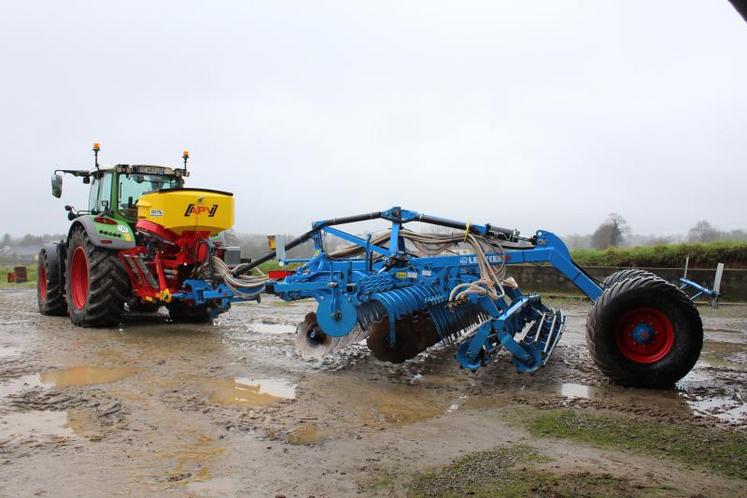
(57, 185)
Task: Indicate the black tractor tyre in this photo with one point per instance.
(621, 275)
(184, 313)
(96, 283)
(50, 291)
(644, 332)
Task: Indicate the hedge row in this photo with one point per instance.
(732, 254)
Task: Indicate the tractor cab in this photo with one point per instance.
(115, 190)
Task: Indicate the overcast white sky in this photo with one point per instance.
(523, 114)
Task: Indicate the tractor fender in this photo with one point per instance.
(56, 254)
(95, 237)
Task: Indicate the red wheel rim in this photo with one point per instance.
(644, 335)
(43, 281)
(79, 278)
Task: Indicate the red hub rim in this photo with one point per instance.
(43, 281)
(644, 335)
(79, 278)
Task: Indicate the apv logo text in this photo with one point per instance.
(196, 210)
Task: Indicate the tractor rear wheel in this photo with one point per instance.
(184, 313)
(50, 295)
(644, 332)
(621, 275)
(96, 285)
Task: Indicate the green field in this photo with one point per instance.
(731, 253)
(30, 269)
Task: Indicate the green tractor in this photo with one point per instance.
(109, 263)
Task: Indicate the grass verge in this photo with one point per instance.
(731, 253)
(4, 284)
(719, 450)
(509, 472)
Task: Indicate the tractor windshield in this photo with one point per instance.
(132, 186)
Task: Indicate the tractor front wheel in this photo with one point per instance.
(644, 332)
(49, 287)
(96, 285)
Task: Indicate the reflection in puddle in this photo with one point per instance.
(76, 376)
(250, 392)
(722, 407)
(83, 376)
(724, 354)
(725, 408)
(36, 424)
(398, 409)
(271, 328)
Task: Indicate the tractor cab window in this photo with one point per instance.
(133, 185)
(100, 196)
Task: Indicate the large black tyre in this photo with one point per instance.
(184, 313)
(96, 283)
(50, 295)
(644, 332)
(621, 275)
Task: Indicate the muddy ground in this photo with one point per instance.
(230, 409)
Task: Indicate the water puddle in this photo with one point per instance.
(271, 328)
(191, 460)
(76, 376)
(83, 376)
(245, 391)
(36, 425)
(398, 409)
(575, 391)
(725, 354)
(306, 434)
(83, 423)
(724, 408)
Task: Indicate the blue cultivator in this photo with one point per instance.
(405, 291)
(388, 289)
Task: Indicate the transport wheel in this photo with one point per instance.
(50, 295)
(96, 285)
(415, 333)
(311, 341)
(621, 275)
(184, 313)
(644, 332)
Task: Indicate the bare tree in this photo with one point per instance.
(703, 232)
(611, 233)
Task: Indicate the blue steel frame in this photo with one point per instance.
(401, 284)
